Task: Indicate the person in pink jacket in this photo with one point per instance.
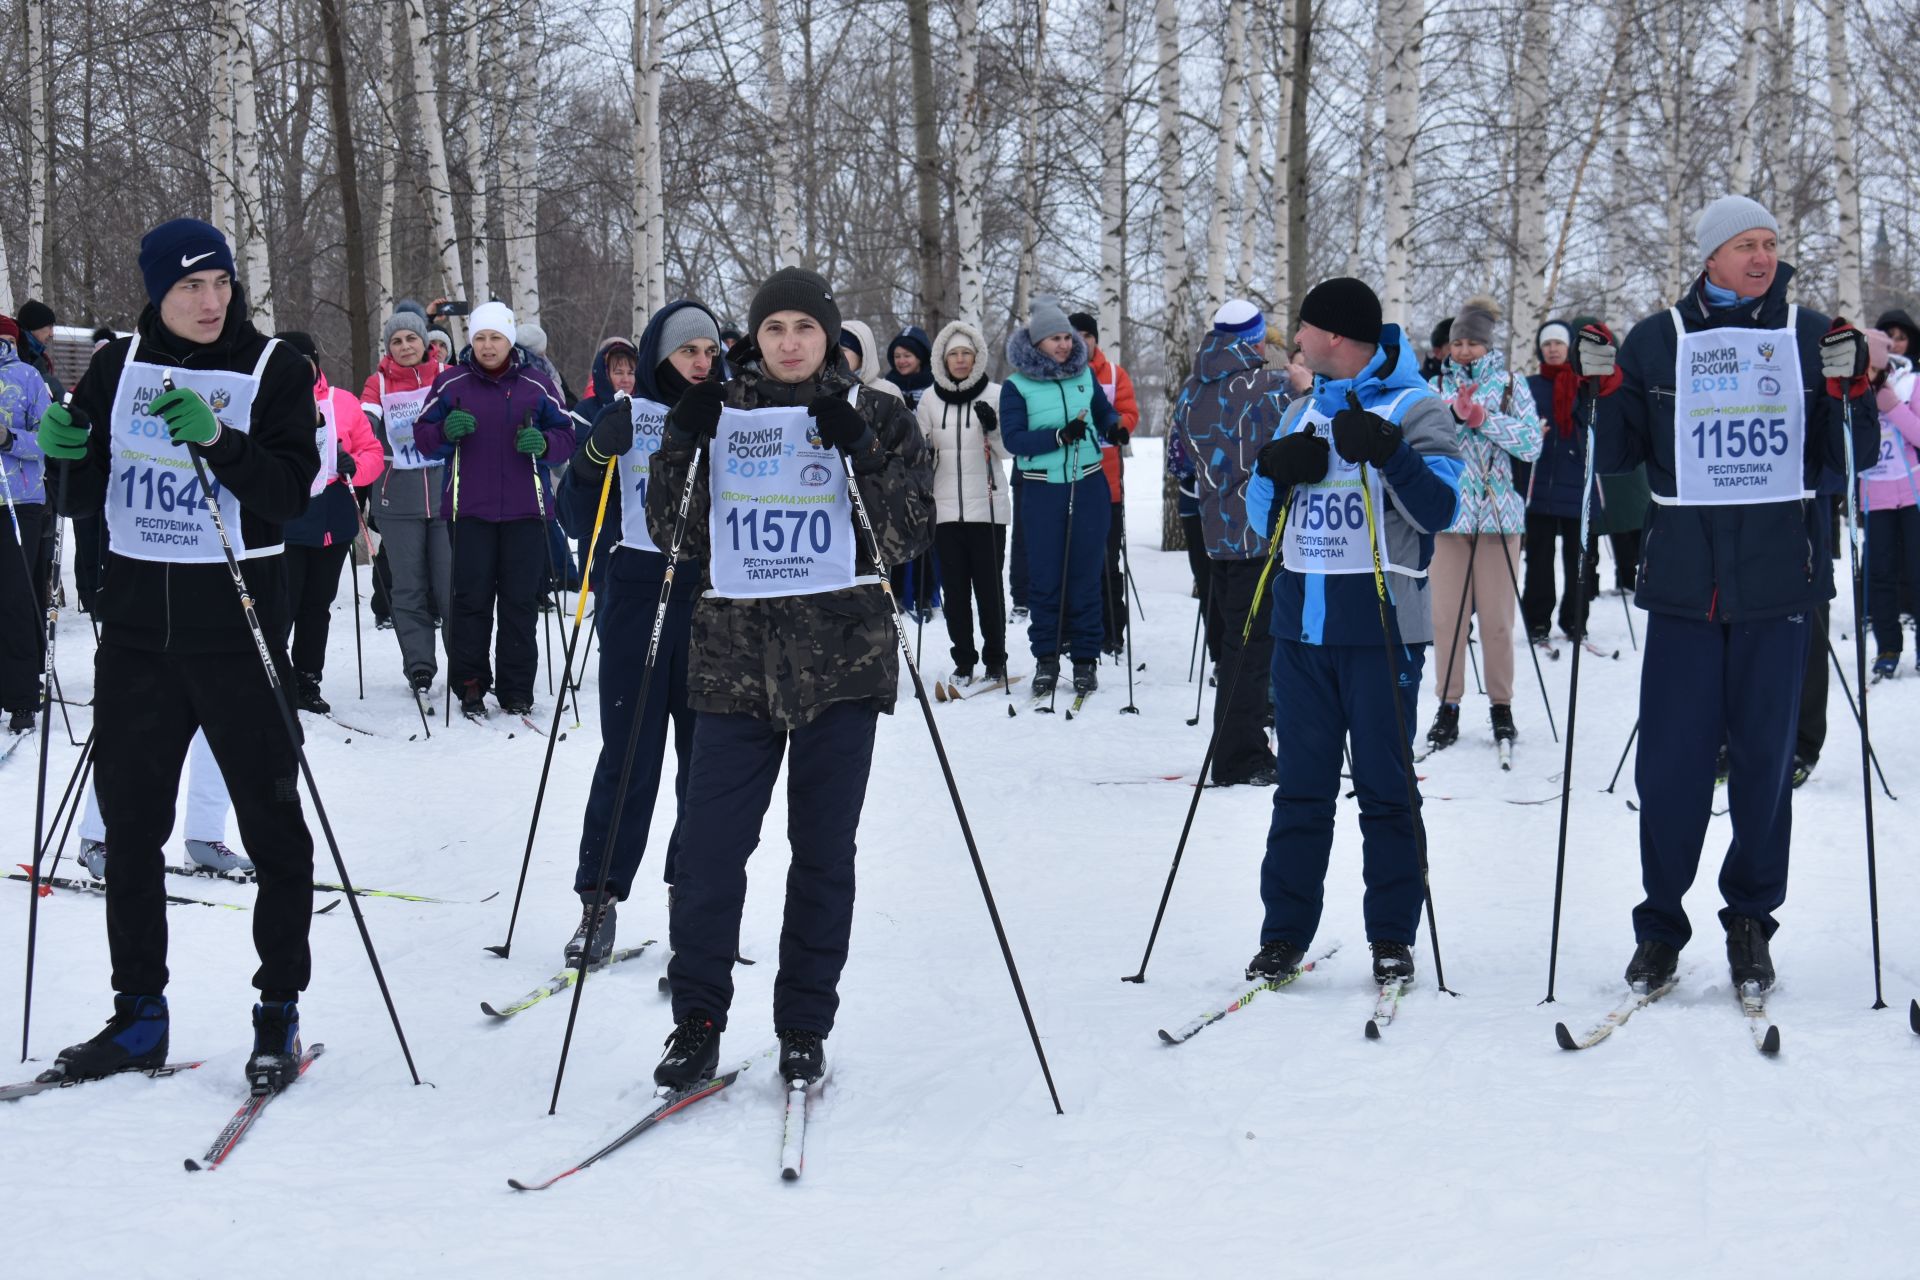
(319, 540)
(1890, 497)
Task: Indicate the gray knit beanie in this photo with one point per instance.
(409, 320)
(1726, 218)
(1476, 320)
(1048, 318)
(688, 324)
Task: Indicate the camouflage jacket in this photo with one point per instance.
(785, 659)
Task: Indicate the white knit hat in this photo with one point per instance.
(496, 316)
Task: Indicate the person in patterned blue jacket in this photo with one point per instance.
(1331, 683)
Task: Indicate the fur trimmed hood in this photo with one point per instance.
(1029, 360)
(976, 339)
(873, 365)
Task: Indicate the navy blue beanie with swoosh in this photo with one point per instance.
(180, 248)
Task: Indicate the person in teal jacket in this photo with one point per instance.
(1053, 419)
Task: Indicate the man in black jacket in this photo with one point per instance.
(1736, 401)
(176, 653)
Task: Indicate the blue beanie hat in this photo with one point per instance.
(1240, 319)
(180, 248)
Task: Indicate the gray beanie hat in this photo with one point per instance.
(409, 320)
(687, 324)
(532, 337)
(1726, 218)
(1047, 319)
(1476, 320)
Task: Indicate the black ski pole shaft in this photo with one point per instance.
(1199, 612)
(1533, 649)
(359, 659)
(67, 793)
(1213, 734)
(453, 563)
(83, 771)
(292, 728)
(626, 765)
(1579, 586)
(1460, 622)
(60, 699)
(1126, 570)
(1200, 688)
(1623, 757)
(1066, 561)
(1129, 709)
(46, 733)
(1854, 707)
(505, 949)
(946, 771)
(586, 655)
(1860, 673)
(1627, 609)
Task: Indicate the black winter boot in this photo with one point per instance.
(307, 686)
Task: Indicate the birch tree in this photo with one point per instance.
(1256, 122)
(389, 161)
(439, 192)
(1530, 197)
(1846, 175)
(966, 142)
(1675, 84)
(786, 210)
(1225, 146)
(1401, 132)
(478, 19)
(40, 144)
(521, 145)
(220, 146)
(251, 211)
(1030, 171)
(1113, 151)
(1173, 199)
(656, 237)
(1746, 95)
(640, 217)
(347, 171)
(1363, 169)
(926, 168)
(7, 306)
(1288, 194)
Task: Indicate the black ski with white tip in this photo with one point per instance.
(242, 1122)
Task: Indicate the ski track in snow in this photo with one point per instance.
(1277, 1138)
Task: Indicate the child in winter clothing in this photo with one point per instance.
(1475, 560)
(960, 420)
(1890, 498)
(23, 398)
(494, 418)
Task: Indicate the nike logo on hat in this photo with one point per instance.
(187, 262)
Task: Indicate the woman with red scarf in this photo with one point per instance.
(1553, 493)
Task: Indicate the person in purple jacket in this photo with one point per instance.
(492, 418)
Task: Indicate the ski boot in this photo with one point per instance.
(1748, 958)
(1086, 676)
(275, 1062)
(215, 856)
(1502, 717)
(1802, 770)
(473, 701)
(93, 856)
(606, 905)
(995, 675)
(134, 1039)
(693, 1054)
(307, 694)
(1886, 667)
(1046, 674)
(1653, 965)
(1019, 614)
(421, 682)
(1392, 962)
(1446, 727)
(516, 705)
(383, 622)
(20, 722)
(803, 1058)
(1275, 960)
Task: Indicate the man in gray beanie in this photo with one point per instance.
(1736, 401)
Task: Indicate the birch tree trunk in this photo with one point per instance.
(966, 138)
(251, 219)
(1255, 111)
(1675, 82)
(1780, 78)
(786, 211)
(389, 161)
(439, 191)
(1233, 79)
(656, 238)
(478, 19)
(1363, 177)
(1402, 128)
(1620, 171)
(1746, 93)
(640, 204)
(1030, 171)
(220, 157)
(926, 168)
(40, 146)
(1113, 190)
(523, 194)
(1846, 174)
(1530, 122)
(347, 170)
(1173, 197)
(1293, 51)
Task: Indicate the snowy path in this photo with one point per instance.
(1464, 1144)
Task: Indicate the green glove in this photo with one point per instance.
(60, 436)
(458, 426)
(189, 419)
(530, 441)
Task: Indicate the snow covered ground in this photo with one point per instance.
(1278, 1142)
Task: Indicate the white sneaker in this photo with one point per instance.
(93, 856)
(215, 856)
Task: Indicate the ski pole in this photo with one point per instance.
(1199, 612)
(1066, 562)
(373, 571)
(553, 733)
(287, 722)
(359, 662)
(1129, 709)
(1854, 707)
(946, 771)
(1629, 747)
(1533, 649)
(1213, 735)
(82, 774)
(46, 734)
(1200, 688)
(1860, 673)
(1460, 621)
(453, 562)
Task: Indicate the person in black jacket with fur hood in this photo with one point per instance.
(176, 653)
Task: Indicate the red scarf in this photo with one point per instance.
(1566, 390)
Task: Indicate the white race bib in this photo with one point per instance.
(636, 466)
(1891, 465)
(326, 438)
(781, 522)
(399, 409)
(1739, 419)
(155, 509)
(1327, 522)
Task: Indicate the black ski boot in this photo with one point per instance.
(307, 688)
(517, 706)
(473, 700)
(693, 1054)
(20, 722)
(1274, 960)
(134, 1039)
(275, 1063)
(1392, 962)
(1748, 957)
(803, 1058)
(1046, 674)
(1502, 717)
(1653, 965)
(1086, 676)
(1446, 727)
(606, 905)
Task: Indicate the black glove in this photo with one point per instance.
(1074, 432)
(613, 431)
(840, 424)
(984, 412)
(1299, 458)
(344, 466)
(1364, 437)
(697, 416)
(1121, 436)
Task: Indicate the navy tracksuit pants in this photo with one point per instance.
(736, 760)
(1044, 518)
(1325, 696)
(629, 596)
(1704, 683)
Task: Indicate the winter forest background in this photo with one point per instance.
(1141, 158)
